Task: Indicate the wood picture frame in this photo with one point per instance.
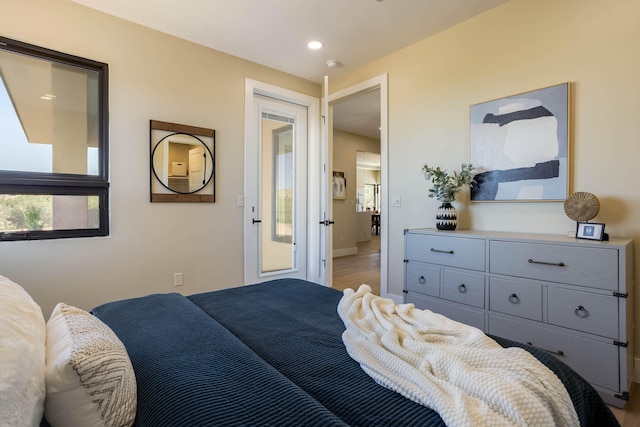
(182, 163)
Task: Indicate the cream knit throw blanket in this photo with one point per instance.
(455, 369)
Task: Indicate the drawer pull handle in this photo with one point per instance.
(581, 311)
(440, 251)
(514, 299)
(422, 280)
(557, 353)
(533, 261)
(462, 289)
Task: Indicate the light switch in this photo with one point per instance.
(177, 279)
(396, 201)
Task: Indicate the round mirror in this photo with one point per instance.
(182, 163)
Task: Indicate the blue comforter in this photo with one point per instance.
(191, 371)
(270, 354)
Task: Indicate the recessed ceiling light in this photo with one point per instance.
(315, 44)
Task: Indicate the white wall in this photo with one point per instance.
(517, 47)
(152, 76)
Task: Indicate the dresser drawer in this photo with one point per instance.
(583, 311)
(583, 266)
(464, 288)
(423, 279)
(457, 312)
(596, 361)
(445, 250)
(516, 298)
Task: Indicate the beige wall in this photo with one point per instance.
(152, 76)
(520, 46)
(345, 146)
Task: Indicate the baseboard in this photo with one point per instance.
(344, 252)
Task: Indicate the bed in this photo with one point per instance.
(270, 354)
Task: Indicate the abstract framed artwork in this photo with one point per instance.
(520, 146)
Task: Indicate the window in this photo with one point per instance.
(53, 144)
(371, 197)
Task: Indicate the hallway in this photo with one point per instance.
(353, 270)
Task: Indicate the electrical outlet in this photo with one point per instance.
(177, 279)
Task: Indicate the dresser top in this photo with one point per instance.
(613, 243)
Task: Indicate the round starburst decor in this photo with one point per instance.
(581, 206)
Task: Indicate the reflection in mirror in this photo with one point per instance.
(182, 162)
(49, 116)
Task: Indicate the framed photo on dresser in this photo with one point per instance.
(590, 231)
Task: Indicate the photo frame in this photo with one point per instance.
(339, 185)
(520, 146)
(591, 231)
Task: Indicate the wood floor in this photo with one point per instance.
(364, 267)
(353, 270)
(630, 415)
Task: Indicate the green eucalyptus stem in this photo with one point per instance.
(445, 186)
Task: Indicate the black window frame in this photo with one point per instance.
(39, 183)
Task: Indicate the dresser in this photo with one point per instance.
(570, 297)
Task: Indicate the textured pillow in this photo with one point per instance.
(90, 380)
(22, 352)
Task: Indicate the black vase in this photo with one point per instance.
(446, 217)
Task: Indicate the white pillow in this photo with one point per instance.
(90, 380)
(22, 353)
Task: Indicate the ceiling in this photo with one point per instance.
(275, 33)
(359, 115)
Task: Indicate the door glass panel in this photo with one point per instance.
(277, 193)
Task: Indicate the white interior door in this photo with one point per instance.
(197, 171)
(276, 190)
(326, 207)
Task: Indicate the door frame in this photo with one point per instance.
(313, 167)
(378, 82)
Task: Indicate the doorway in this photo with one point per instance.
(369, 93)
(279, 129)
